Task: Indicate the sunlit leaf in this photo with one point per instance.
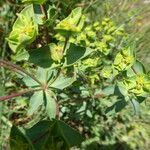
(50, 104)
(35, 102)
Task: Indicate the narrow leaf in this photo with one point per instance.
(50, 104)
(62, 82)
(35, 102)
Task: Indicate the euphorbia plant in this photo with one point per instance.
(76, 47)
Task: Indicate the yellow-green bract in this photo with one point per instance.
(138, 84)
(56, 51)
(72, 24)
(24, 30)
(124, 60)
(107, 72)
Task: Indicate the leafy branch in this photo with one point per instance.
(17, 69)
(14, 95)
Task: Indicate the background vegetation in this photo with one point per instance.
(84, 107)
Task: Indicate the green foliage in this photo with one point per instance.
(44, 135)
(24, 30)
(85, 72)
(72, 24)
(34, 1)
(124, 60)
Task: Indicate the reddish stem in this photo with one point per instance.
(16, 68)
(13, 95)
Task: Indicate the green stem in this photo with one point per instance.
(133, 70)
(90, 4)
(4, 52)
(66, 41)
(59, 71)
(44, 11)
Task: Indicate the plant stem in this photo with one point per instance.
(13, 95)
(90, 4)
(4, 52)
(66, 41)
(133, 70)
(43, 9)
(10, 68)
(16, 68)
(59, 71)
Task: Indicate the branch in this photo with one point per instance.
(133, 70)
(16, 68)
(44, 11)
(13, 95)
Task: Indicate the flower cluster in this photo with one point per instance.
(138, 84)
(99, 36)
(124, 60)
(70, 25)
(56, 51)
(24, 30)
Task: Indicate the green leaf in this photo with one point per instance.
(109, 90)
(45, 135)
(21, 55)
(50, 104)
(40, 133)
(137, 68)
(141, 99)
(62, 82)
(41, 57)
(70, 136)
(35, 102)
(117, 107)
(120, 90)
(44, 75)
(34, 1)
(48, 134)
(82, 108)
(89, 114)
(19, 140)
(75, 53)
(30, 82)
(136, 106)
